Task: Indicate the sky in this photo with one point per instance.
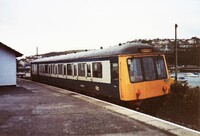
(60, 25)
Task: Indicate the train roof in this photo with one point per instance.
(127, 48)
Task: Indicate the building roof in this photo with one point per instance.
(121, 49)
(18, 54)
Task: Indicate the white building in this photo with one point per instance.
(8, 65)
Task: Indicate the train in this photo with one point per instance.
(129, 72)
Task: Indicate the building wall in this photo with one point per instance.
(7, 68)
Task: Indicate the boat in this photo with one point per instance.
(182, 79)
(192, 74)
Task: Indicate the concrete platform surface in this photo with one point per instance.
(34, 109)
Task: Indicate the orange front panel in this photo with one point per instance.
(147, 89)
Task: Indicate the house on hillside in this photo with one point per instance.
(8, 65)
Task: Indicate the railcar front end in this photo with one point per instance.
(143, 76)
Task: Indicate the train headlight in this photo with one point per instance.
(138, 93)
(164, 88)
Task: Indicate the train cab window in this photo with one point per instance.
(97, 69)
(81, 69)
(135, 70)
(69, 69)
(88, 70)
(149, 68)
(60, 69)
(115, 71)
(75, 70)
(160, 66)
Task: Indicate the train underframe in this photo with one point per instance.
(107, 92)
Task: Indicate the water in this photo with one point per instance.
(191, 80)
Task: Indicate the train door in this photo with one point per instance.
(115, 74)
(115, 78)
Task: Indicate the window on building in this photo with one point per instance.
(97, 69)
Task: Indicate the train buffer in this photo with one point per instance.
(37, 109)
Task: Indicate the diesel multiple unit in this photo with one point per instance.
(126, 72)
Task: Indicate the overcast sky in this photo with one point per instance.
(59, 25)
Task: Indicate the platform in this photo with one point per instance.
(35, 109)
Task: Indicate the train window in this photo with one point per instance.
(135, 70)
(88, 70)
(64, 69)
(81, 69)
(45, 68)
(149, 68)
(51, 69)
(34, 69)
(146, 68)
(55, 69)
(160, 66)
(41, 68)
(69, 69)
(115, 71)
(97, 69)
(60, 69)
(75, 70)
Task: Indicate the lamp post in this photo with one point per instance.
(36, 51)
(176, 52)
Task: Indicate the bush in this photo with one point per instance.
(182, 106)
(179, 87)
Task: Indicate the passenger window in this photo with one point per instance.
(69, 69)
(135, 70)
(60, 69)
(49, 67)
(45, 68)
(88, 70)
(64, 69)
(40, 68)
(55, 69)
(75, 70)
(115, 72)
(81, 69)
(97, 69)
(52, 69)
